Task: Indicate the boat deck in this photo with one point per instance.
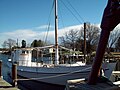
(58, 79)
(82, 85)
(6, 86)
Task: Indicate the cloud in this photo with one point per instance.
(62, 31)
(44, 27)
(21, 33)
(31, 34)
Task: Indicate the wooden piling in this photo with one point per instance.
(109, 22)
(85, 42)
(0, 68)
(14, 74)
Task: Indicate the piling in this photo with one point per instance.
(111, 18)
(5, 85)
(85, 42)
(14, 74)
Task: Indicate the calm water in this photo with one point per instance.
(34, 86)
(5, 69)
(25, 84)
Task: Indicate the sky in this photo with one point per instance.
(28, 19)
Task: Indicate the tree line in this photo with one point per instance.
(10, 43)
(74, 39)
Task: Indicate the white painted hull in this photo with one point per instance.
(56, 69)
(60, 74)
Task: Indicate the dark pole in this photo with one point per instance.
(111, 18)
(99, 56)
(85, 42)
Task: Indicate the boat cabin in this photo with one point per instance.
(22, 57)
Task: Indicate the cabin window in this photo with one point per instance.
(27, 52)
(23, 52)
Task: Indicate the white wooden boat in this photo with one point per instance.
(50, 73)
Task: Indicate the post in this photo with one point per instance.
(99, 56)
(14, 74)
(85, 42)
(0, 68)
(111, 18)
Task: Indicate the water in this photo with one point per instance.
(25, 85)
(5, 68)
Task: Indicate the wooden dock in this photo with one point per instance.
(6, 86)
(81, 84)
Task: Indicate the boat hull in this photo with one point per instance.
(45, 81)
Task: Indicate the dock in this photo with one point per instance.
(81, 84)
(6, 86)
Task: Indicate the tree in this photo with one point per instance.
(9, 43)
(37, 43)
(69, 39)
(92, 36)
(41, 43)
(34, 43)
(4, 45)
(23, 44)
(74, 39)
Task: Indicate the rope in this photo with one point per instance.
(49, 19)
(76, 11)
(61, 17)
(48, 77)
(47, 32)
(71, 12)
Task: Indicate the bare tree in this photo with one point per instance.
(63, 41)
(4, 45)
(70, 39)
(74, 38)
(9, 43)
(92, 36)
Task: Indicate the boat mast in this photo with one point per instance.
(56, 34)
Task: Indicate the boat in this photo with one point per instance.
(50, 73)
(34, 75)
